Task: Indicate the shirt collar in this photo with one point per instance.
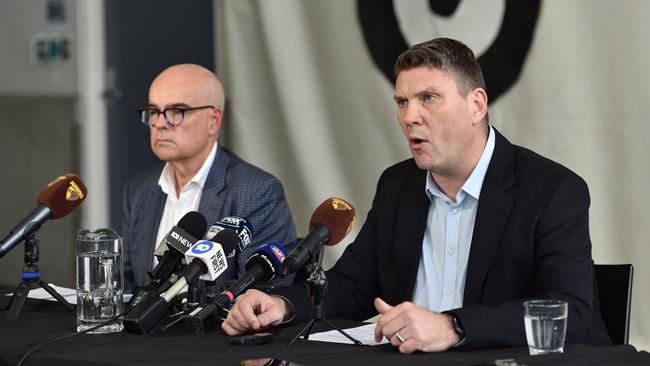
(168, 184)
(473, 184)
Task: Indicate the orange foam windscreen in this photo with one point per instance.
(63, 195)
(337, 214)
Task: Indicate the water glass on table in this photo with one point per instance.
(545, 321)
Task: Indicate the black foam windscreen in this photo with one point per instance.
(227, 238)
(194, 223)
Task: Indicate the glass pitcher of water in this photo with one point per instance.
(99, 280)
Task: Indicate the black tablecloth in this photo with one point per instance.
(40, 321)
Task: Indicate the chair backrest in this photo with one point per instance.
(615, 293)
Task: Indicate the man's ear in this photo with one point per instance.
(215, 121)
(479, 104)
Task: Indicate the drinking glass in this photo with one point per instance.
(545, 322)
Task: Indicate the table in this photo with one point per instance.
(41, 320)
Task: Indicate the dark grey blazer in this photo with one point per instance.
(232, 188)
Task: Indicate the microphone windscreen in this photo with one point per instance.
(338, 215)
(193, 223)
(239, 225)
(270, 258)
(227, 238)
(63, 195)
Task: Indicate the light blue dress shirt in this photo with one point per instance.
(440, 281)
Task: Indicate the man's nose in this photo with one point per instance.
(159, 121)
(412, 114)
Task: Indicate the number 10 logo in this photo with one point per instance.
(202, 247)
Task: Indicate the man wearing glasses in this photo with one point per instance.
(184, 115)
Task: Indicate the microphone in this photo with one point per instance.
(182, 236)
(173, 247)
(329, 224)
(206, 259)
(58, 199)
(210, 256)
(243, 229)
(171, 252)
(238, 225)
(263, 265)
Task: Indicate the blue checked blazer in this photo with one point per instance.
(232, 188)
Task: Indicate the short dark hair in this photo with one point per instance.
(448, 55)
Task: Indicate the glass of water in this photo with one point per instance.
(99, 280)
(545, 322)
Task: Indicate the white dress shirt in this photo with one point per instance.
(440, 281)
(176, 206)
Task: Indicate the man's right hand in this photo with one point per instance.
(253, 311)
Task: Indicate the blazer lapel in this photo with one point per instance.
(146, 241)
(492, 216)
(410, 227)
(212, 201)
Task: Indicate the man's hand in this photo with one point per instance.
(412, 328)
(254, 310)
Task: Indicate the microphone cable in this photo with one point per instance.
(71, 335)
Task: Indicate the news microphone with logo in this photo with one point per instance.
(171, 252)
(59, 198)
(189, 230)
(239, 225)
(329, 224)
(263, 265)
(205, 259)
(245, 233)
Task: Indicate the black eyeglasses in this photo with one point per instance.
(174, 116)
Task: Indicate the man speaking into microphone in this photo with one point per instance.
(184, 115)
(458, 236)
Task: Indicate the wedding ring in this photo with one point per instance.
(399, 338)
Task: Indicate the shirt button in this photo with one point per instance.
(454, 211)
(451, 251)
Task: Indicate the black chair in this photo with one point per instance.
(615, 293)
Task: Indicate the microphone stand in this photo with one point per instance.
(31, 277)
(317, 284)
(180, 311)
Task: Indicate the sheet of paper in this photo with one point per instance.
(364, 334)
(69, 294)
